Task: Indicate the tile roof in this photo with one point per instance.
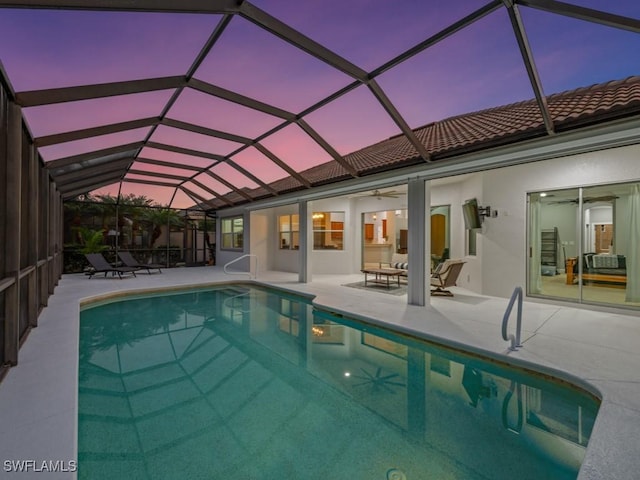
(481, 130)
(514, 122)
(591, 104)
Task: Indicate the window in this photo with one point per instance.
(472, 236)
(441, 365)
(328, 230)
(554, 414)
(232, 233)
(288, 321)
(389, 346)
(325, 331)
(289, 232)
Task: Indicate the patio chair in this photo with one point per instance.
(99, 264)
(445, 276)
(129, 261)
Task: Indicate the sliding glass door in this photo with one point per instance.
(553, 243)
(583, 244)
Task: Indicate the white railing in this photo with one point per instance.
(517, 428)
(515, 339)
(238, 272)
(229, 302)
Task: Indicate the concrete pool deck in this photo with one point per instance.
(38, 398)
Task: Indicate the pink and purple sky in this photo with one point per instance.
(477, 68)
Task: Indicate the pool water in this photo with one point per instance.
(248, 383)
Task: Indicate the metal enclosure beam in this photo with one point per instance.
(33, 302)
(211, 192)
(229, 185)
(252, 177)
(169, 176)
(190, 127)
(50, 96)
(80, 190)
(243, 100)
(327, 147)
(267, 153)
(150, 182)
(167, 6)
(112, 177)
(47, 140)
(96, 154)
(397, 118)
(297, 39)
(185, 151)
(13, 239)
(163, 163)
(584, 13)
(80, 173)
(532, 71)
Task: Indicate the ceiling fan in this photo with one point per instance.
(603, 198)
(379, 195)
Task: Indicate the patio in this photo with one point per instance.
(44, 383)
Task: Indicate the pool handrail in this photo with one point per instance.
(515, 339)
(251, 275)
(517, 387)
(228, 302)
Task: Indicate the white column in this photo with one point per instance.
(304, 270)
(419, 242)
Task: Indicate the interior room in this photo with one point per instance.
(593, 223)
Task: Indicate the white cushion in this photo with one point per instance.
(605, 261)
(399, 258)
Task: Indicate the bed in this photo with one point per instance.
(604, 269)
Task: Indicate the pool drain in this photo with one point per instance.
(395, 474)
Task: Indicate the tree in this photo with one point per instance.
(92, 241)
(158, 217)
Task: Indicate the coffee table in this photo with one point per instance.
(382, 275)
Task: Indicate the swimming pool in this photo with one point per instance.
(242, 382)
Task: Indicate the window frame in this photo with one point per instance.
(236, 235)
(292, 233)
(471, 242)
(336, 234)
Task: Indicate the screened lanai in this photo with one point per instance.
(209, 105)
(226, 102)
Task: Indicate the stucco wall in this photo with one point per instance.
(501, 262)
(455, 194)
(336, 261)
(503, 248)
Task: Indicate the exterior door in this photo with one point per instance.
(438, 234)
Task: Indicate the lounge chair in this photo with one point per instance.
(129, 261)
(99, 264)
(445, 276)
